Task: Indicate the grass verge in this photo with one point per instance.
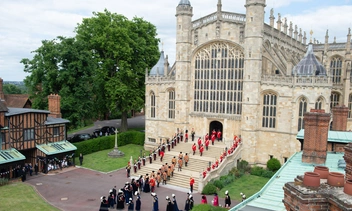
(100, 161)
(247, 184)
(21, 196)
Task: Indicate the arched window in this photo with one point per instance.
(336, 69)
(334, 99)
(301, 110)
(269, 110)
(319, 103)
(152, 105)
(218, 79)
(350, 106)
(172, 104)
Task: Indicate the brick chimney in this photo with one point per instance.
(348, 160)
(339, 118)
(2, 96)
(316, 127)
(54, 105)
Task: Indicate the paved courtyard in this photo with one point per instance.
(79, 189)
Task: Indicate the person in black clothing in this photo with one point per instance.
(24, 174)
(191, 202)
(80, 158)
(120, 200)
(187, 204)
(130, 205)
(36, 168)
(104, 206)
(169, 206)
(227, 199)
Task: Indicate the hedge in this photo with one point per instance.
(207, 207)
(108, 142)
(273, 164)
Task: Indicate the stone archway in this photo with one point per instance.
(216, 125)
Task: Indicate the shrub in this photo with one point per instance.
(4, 181)
(218, 184)
(209, 189)
(267, 174)
(257, 171)
(273, 164)
(207, 207)
(236, 173)
(243, 166)
(227, 179)
(108, 142)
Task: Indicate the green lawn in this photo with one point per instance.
(21, 196)
(247, 184)
(100, 161)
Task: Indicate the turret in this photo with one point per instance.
(184, 13)
(252, 76)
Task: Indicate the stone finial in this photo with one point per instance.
(279, 22)
(272, 18)
(335, 39)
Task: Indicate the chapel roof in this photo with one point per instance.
(185, 2)
(309, 65)
(158, 69)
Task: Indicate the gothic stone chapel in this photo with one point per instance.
(237, 74)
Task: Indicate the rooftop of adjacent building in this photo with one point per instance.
(271, 195)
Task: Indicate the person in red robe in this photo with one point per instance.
(191, 183)
(186, 136)
(194, 148)
(213, 136)
(219, 135)
(162, 153)
(199, 142)
(204, 174)
(206, 144)
(206, 137)
(201, 150)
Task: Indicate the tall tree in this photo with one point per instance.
(12, 89)
(63, 66)
(123, 49)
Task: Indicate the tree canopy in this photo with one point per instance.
(99, 71)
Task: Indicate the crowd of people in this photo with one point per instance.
(148, 183)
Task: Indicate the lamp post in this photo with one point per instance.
(116, 152)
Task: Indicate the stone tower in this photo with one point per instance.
(251, 109)
(184, 13)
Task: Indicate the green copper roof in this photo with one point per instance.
(56, 147)
(10, 155)
(333, 136)
(271, 195)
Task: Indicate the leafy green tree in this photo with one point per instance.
(12, 89)
(63, 66)
(123, 49)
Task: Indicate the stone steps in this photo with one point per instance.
(196, 164)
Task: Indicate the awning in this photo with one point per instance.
(333, 136)
(10, 155)
(56, 147)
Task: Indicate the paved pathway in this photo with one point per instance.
(79, 189)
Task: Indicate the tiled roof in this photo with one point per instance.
(333, 136)
(271, 195)
(17, 111)
(16, 100)
(53, 121)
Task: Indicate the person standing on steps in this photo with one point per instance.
(199, 142)
(186, 136)
(213, 136)
(193, 134)
(201, 150)
(186, 158)
(194, 148)
(206, 144)
(180, 162)
(219, 136)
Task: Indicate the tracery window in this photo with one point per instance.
(269, 110)
(301, 110)
(172, 104)
(334, 99)
(152, 105)
(218, 79)
(336, 69)
(350, 106)
(319, 103)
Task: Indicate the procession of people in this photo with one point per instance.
(129, 196)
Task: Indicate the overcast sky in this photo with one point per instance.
(25, 23)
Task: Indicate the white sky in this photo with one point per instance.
(25, 23)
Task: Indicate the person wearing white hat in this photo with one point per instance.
(104, 206)
(155, 202)
(169, 206)
(191, 202)
(187, 203)
(174, 202)
(243, 197)
(120, 200)
(227, 199)
(138, 201)
(130, 205)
